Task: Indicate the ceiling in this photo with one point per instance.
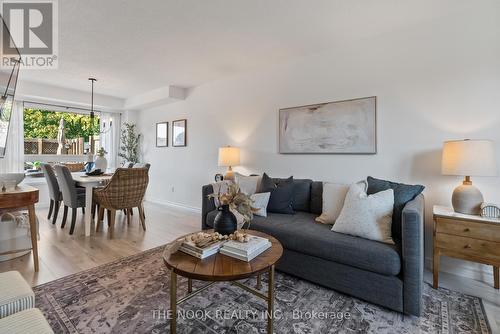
(133, 47)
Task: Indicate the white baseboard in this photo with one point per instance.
(476, 271)
(174, 204)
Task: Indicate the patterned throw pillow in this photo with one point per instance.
(260, 202)
(366, 216)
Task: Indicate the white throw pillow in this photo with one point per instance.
(366, 216)
(260, 202)
(333, 201)
(248, 184)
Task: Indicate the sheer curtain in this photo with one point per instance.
(11, 233)
(110, 136)
(13, 162)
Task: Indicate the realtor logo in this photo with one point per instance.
(33, 31)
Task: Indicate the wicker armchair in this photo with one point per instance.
(125, 190)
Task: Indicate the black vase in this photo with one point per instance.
(225, 222)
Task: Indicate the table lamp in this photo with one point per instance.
(229, 157)
(468, 158)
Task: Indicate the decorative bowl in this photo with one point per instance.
(10, 180)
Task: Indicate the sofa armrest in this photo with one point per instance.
(207, 204)
(412, 253)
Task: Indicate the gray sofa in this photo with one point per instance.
(388, 275)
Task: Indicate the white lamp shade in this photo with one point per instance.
(469, 158)
(229, 156)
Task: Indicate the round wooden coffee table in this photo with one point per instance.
(219, 267)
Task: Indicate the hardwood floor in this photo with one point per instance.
(62, 254)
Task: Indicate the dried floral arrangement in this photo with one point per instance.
(236, 200)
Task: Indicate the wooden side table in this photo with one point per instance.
(466, 237)
(23, 197)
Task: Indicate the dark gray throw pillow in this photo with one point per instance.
(281, 199)
(403, 193)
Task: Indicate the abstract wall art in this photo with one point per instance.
(341, 127)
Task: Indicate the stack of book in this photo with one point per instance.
(245, 251)
(200, 252)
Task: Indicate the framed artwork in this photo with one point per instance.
(162, 134)
(179, 132)
(341, 127)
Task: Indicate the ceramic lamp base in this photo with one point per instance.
(467, 199)
(229, 174)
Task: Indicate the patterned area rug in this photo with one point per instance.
(131, 296)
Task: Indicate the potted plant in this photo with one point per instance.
(129, 143)
(100, 161)
(233, 200)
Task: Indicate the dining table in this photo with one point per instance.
(89, 183)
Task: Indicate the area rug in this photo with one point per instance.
(131, 295)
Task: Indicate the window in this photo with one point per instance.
(60, 133)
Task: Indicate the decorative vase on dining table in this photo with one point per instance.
(101, 163)
(225, 222)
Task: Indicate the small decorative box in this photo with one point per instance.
(489, 210)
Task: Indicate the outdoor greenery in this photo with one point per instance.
(129, 143)
(44, 124)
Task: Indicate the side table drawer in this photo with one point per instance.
(464, 228)
(469, 247)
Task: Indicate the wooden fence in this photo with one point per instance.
(49, 146)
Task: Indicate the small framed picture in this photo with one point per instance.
(179, 132)
(162, 134)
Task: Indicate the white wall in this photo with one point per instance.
(434, 82)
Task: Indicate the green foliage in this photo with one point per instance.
(44, 124)
(129, 143)
(101, 152)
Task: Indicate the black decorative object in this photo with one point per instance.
(225, 222)
(219, 177)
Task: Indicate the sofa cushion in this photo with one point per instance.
(301, 194)
(316, 205)
(302, 234)
(403, 193)
(30, 321)
(248, 184)
(281, 200)
(333, 201)
(260, 201)
(15, 294)
(366, 216)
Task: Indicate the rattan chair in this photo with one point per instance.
(130, 211)
(125, 190)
